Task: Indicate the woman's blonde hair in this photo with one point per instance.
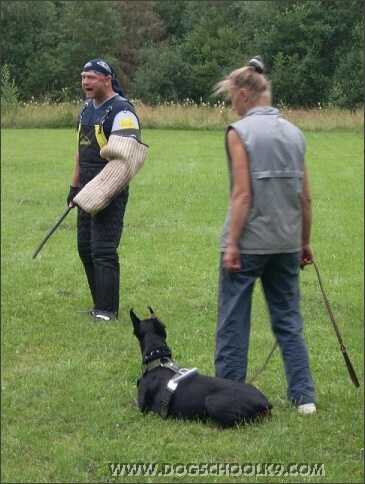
(249, 76)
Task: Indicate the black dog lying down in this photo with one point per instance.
(169, 390)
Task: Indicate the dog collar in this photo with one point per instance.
(164, 361)
(156, 353)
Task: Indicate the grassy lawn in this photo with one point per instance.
(68, 386)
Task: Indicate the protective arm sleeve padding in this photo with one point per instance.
(126, 156)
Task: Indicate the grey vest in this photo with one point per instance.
(275, 149)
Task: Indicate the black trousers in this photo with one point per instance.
(98, 238)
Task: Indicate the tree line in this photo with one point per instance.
(178, 50)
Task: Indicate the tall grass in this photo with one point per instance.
(68, 386)
(187, 115)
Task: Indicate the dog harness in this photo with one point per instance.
(184, 374)
(180, 375)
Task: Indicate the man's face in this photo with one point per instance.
(94, 84)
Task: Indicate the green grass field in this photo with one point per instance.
(68, 386)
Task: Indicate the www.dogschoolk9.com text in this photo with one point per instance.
(153, 469)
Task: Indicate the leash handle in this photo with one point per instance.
(350, 368)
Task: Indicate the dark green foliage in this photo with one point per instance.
(165, 75)
(9, 91)
(170, 51)
(347, 89)
(28, 37)
(89, 30)
(171, 13)
(47, 43)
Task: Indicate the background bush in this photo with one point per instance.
(170, 51)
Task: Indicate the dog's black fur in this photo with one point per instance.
(200, 396)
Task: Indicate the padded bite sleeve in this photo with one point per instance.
(126, 156)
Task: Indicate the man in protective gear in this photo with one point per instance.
(109, 154)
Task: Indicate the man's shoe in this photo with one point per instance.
(307, 408)
(103, 316)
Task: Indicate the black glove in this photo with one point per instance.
(72, 194)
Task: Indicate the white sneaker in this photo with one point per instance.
(307, 408)
(102, 316)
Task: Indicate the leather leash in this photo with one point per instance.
(258, 373)
(350, 368)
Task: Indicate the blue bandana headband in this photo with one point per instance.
(102, 67)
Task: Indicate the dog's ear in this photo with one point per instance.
(153, 315)
(159, 326)
(135, 321)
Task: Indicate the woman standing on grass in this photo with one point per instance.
(266, 234)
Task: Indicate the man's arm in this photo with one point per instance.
(75, 180)
(126, 123)
(240, 199)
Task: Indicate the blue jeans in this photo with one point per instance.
(279, 274)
